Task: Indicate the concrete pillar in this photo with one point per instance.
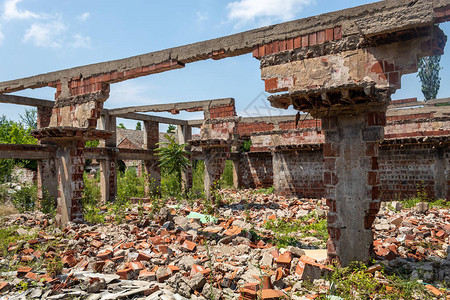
(184, 135)
(215, 159)
(151, 138)
(352, 180)
(108, 122)
(70, 155)
(440, 182)
(47, 174)
(108, 167)
(236, 174)
(108, 176)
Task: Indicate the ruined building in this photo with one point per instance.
(340, 67)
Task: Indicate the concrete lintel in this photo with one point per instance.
(135, 154)
(20, 100)
(15, 151)
(363, 19)
(143, 117)
(171, 106)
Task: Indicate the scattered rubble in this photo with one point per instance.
(181, 253)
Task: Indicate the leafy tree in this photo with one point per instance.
(429, 68)
(138, 126)
(29, 118)
(173, 157)
(14, 133)
(121, 126)
(171, 128)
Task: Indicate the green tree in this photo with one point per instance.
(429, 68)
(121, 126)
(29, 118)
(171, 128)
(173, 157)
(14, 133)
(138, 126)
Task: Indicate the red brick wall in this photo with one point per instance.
(299, 173)
(256, 170)
(404, 168)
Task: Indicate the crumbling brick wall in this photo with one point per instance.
(256, 170)
(403, 169)
(299, 173)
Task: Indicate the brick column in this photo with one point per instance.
(151, 138)
(70, 178)
(47, 174)
(215, 159)
(108, 167)
(352, 180)
(184, 135)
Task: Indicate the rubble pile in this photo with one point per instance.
(182, 253)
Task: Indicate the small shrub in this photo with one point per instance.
(353, 282)
(265, 191)
(91, 192)
(48, 203)
(25, 198)
(55, 266)
(198, 177)
(130, 185)
(226, 180)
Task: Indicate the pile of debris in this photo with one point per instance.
(182, 253)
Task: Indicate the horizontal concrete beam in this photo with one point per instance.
(20, 100)
(135, 154)
(171, 107)
(370, 20)
(142, 117)
(15, 151)
(430, 103)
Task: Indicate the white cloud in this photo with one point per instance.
(80, 41)
(202, 16)
(46, 34)
(11, 12)
(2, 36)
(83, 17)
(264, 11)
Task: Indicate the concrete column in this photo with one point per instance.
(236, 174)
(215, 159)
(108, 122)
(352, 180)
(151, 138)
(440, 181)
(108, 176)
(70, 155)
(47, 174)
(184, 135)
(108, 167)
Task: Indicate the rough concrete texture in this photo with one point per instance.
(382, 65)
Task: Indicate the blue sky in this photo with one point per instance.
(39, 36)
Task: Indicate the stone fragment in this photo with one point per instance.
(163, 273)
(197, 282)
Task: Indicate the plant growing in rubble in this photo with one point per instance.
(173, 157)
(55, 266)
(25, 198)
